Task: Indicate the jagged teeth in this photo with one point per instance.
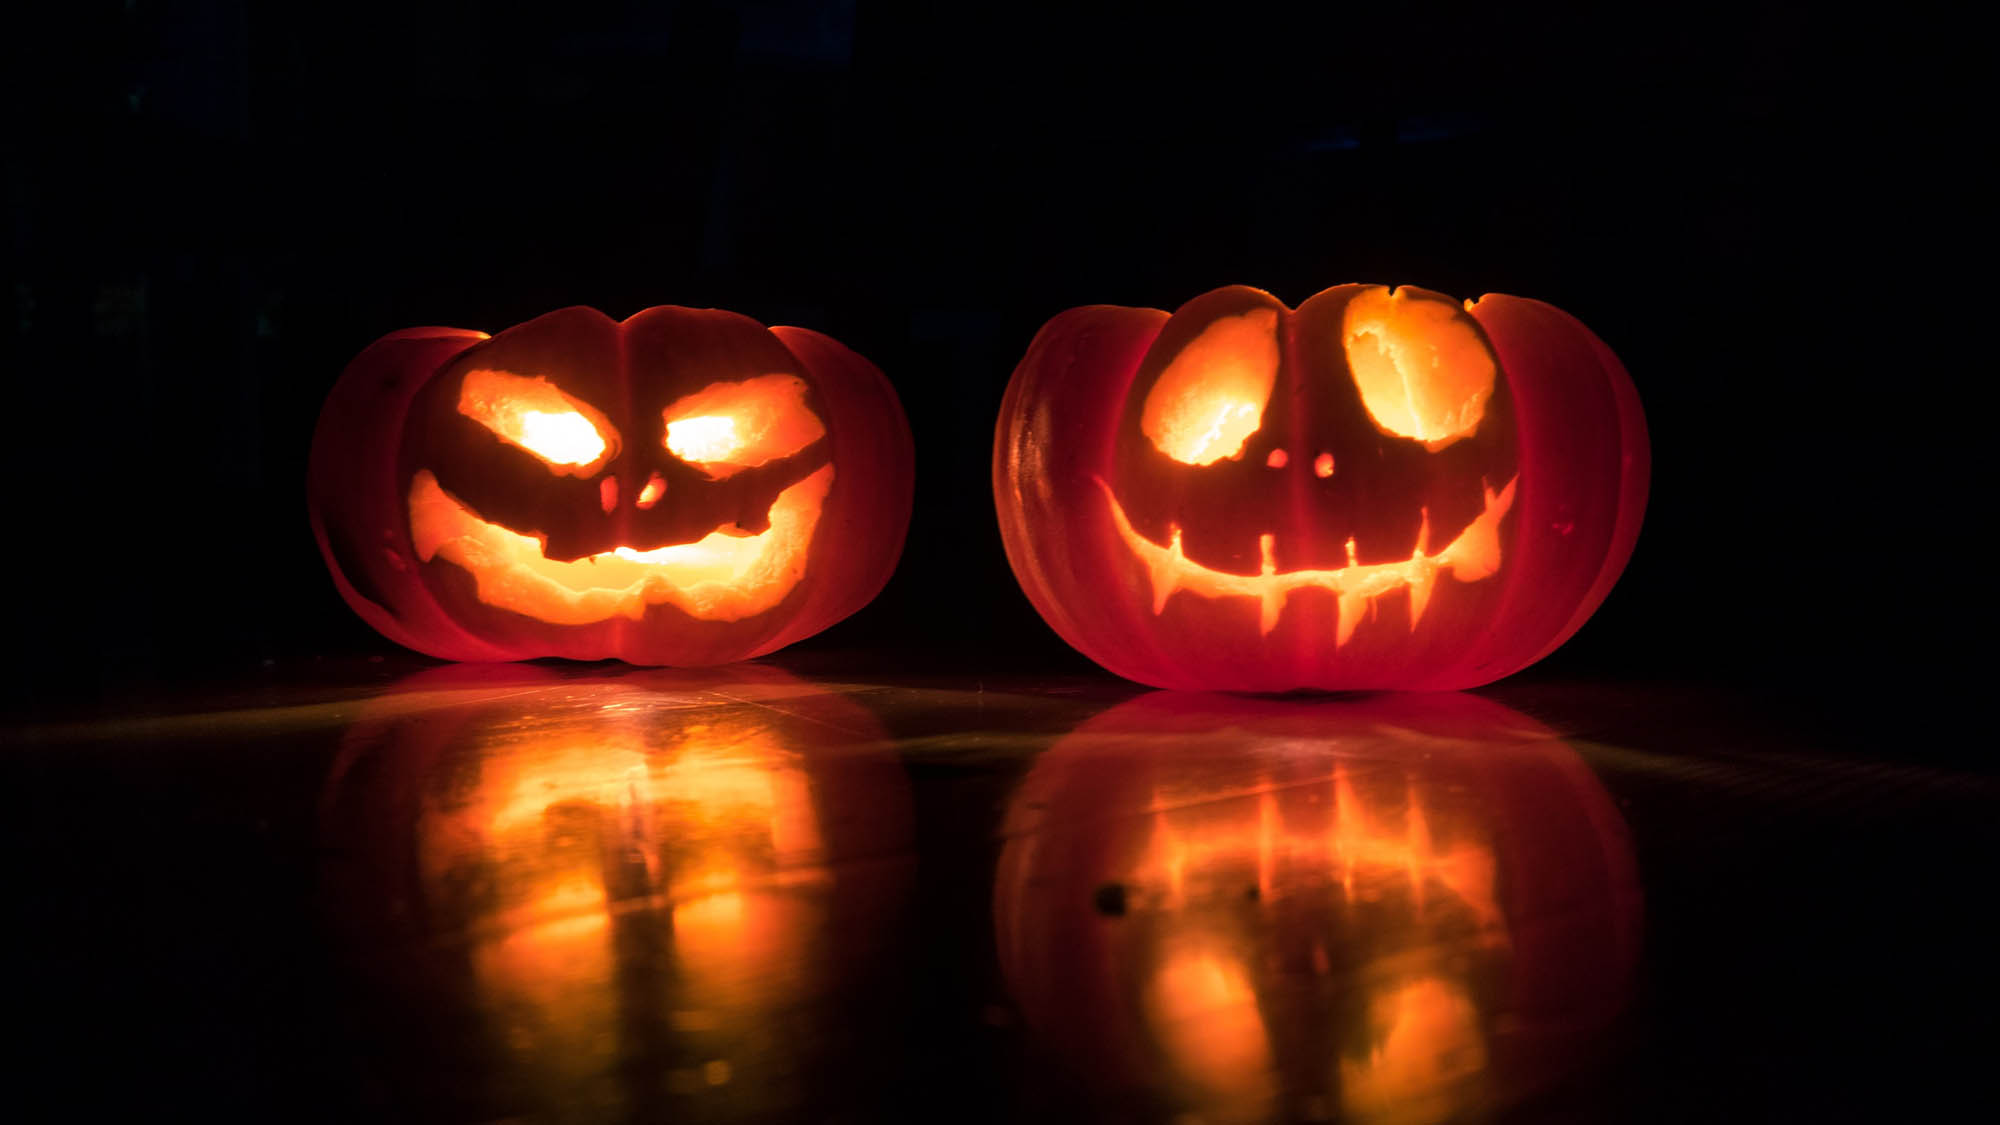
(1472, 556)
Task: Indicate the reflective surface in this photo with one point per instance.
(573, 894)
(615, 898)
(1402, 908)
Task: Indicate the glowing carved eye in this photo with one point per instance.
(528, 412)
(725, 428)
(1424, 371)
(1211, 398)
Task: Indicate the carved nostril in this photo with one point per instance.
(1277, 459)
(650, 494)
(1323, 465)
(607, 493)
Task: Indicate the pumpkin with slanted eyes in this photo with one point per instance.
(684, 487)
(1380, 489)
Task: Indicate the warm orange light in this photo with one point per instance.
(717, 778)
(719, 577)
(533, 414)
(1429, 1047)
(1211, 397)
(1423, 369)
(712, 919)
(1400, 908)
(650, 494)
(709, 437)
(599, 768)
(577, 836)
(1360, 842)
(1474, 555)
(727, 427)
(1323, 466)
(726, 810)
(566, 438)
(1205, 1012)
(1207, 1001)
(550, 981)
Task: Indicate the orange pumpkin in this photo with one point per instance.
(684, 487)
(1379, 489)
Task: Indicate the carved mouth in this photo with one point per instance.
(716, 578)
(1474, 555)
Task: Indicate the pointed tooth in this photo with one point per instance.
(1424, 534)
(1352, 606)
(1272, 602)
(1270, 607)
(1421, 583)
(1475, 554)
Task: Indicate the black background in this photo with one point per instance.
(1767, 210)
(213, 205)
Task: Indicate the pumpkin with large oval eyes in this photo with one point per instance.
(1380, 489)
(683, 487)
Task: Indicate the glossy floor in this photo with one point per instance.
(564, 893)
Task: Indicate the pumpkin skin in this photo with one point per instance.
(1396, 908)
(530, 494)
(1378, 490)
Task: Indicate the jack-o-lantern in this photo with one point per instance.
(615, 898)
(685, 487)
(1405, 908)
(1379, 489)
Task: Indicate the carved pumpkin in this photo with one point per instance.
(685, 487)
(1380, 489)
(615, 898)
(1405, 908)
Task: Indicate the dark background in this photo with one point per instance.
(1765, 209)
(212, 206)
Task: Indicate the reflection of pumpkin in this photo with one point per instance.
(684, 487)
(1378, 490)
(626, 889)
(1393, 910)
